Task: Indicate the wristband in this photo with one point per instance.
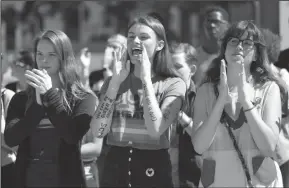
(180, 115)
(249, 109)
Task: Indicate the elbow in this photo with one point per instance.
(198, 149)
(154, 134)
(10, 139)
(198, 146)
(269, 150)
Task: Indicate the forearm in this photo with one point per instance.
(101, 121)
(204, 135)
(90, 150)
(263, 135)
(17, 129)
(186, 122)
(152, 113)
(71, 126)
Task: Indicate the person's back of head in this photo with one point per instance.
(189, 51)
(273, 44)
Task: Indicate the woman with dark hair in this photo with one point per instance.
(238, 113)
(138, 105)
(48, 120)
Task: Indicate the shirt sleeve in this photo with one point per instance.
(71, 126)
(21, 122)
(175, 87)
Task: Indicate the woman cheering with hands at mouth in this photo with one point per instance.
(237, 114)
(49, 119)
(138, 105)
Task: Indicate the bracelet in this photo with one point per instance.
(180, 115)
(249, 109)
(187, 124)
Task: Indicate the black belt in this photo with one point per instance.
(88, 162)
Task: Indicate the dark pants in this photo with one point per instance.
(129, 167)
(285, 173)
(8, 175)
(188, 168)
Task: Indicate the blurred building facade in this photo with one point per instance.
(90, 23)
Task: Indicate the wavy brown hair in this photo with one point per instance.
(260, 69)
(162, 64)
(72, 88)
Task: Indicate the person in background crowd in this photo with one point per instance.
(90, 151)
(96, 80)
(49, 119)
(184, 58)
(115, 42)
(23, 61)
(273, 44)
(214, 24)
(138, 106)
(91, 148)
(237, 114)
(8, 154)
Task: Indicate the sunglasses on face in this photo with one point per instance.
(20, 64)
(215, 22)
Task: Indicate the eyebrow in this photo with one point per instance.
(140, 33)
(48, 52)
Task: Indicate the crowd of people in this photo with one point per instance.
(159, 113)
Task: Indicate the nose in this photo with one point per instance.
(137, 40)
(212, 25)
(240, 45)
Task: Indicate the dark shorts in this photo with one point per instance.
(188, 168)
(130, 167)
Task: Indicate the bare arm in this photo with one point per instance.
(101, 121)
(92, 146)
(265, 130)
(205, 127)
(158, 119)
(186, 122)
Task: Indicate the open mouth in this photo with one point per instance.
(136, 51)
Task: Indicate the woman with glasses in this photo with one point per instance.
(23, 61)
(237, 114)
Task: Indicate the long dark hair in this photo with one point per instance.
(72, 88)
(260, 69)
(162, 64)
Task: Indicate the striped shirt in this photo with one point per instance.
(128, 124)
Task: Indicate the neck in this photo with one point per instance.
(22, 84)
(55, 81)
(188, 82)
